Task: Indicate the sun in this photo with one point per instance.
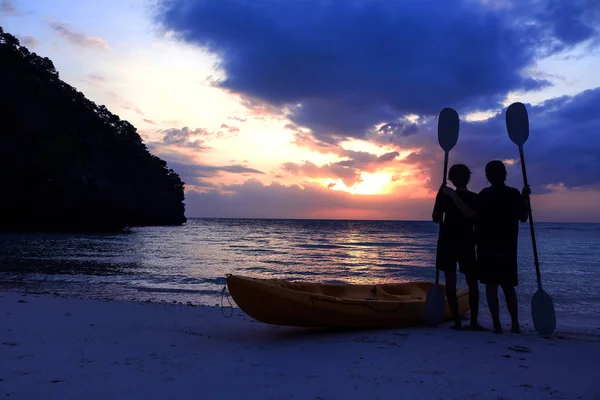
(370, 184)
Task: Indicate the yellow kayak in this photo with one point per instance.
(306, 304)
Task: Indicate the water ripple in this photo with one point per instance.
(190, 262)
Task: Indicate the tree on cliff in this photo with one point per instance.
(69, 164)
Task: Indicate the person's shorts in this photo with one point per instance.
(494, 269)
(449, 255)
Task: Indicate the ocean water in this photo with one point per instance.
(189, 263)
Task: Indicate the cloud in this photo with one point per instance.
(173, 157)
(562, 149)
(202, 184)
(194, 173)
(254, 199)
(382, 70)
(333, 170)
(28, 41)
(561, 153)
(234, 169)
(348, 170)
(307, 140)
(78, 38)
(7, 7)
(230, 129)
(568, 22)
(399, 129)
(384, 158)
(185, 137)
(341, 67)
(129, 106)
(196, 137)
(563, 146)
(96, 78)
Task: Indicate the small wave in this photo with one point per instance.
(308, 273)
(255, 250)
(260, 269)
(219, 280)
(172, 290)
(334, 281)
(67, 278)
(378, 244)
(320, 246)
(278, 262)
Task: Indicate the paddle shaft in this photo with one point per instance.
(445, 166)
(437, 271)
(535, 256)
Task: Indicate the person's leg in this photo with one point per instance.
(468, 266)
(510, 294)
(474, 302)
(491, 291)
(450, 275)
(446, 262)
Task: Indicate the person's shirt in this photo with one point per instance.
(499, 210)
(455, 227)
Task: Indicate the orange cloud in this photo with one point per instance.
(334, 170)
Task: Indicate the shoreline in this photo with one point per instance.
(566, 324)
(60, 347)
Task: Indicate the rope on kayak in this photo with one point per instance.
(223, 294)
(374, 291)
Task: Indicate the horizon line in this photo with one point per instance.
(376, 220)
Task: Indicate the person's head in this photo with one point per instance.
(495, 172)
(459, 175)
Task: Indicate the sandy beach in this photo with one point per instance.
(68, 348)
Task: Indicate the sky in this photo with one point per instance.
(328, 108)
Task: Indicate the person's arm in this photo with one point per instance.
(439, 207)
(525, 204)
(462, 207)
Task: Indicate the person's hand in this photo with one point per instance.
(526, 192)
(448, 191)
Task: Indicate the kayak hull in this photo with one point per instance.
(308, 304)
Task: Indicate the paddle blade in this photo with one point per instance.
(435, 306)
(542, 313)
(448, 126)
(517, 123)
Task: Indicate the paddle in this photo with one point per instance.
(542, 307)
(435, 302)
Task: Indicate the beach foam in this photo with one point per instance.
(66, 348)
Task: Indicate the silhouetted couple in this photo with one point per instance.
(479, 232)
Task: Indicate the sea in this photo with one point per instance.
(189, 263)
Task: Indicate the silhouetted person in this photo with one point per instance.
(456, 243)
(499, 210)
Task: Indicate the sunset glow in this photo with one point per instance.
(257, 115)
(377, 183)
